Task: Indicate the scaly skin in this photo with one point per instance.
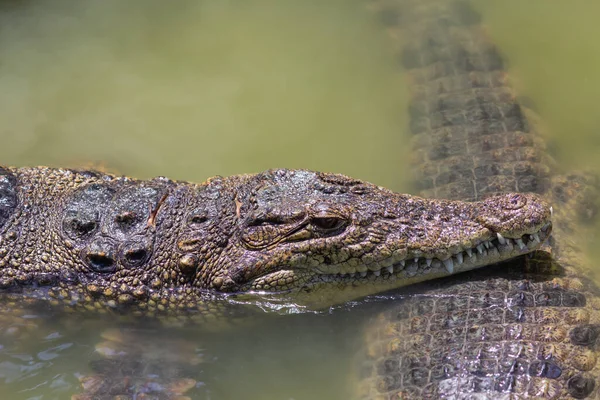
(523, 330)
(92, 240)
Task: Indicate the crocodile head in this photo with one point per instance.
(302, 237)
(325, 238)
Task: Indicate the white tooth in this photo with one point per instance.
(469, 252)
(449, 265)
(551, 211)
(402, 263)
(486, 244)
(390, 269)
(428, 261)
(459, 258)
(536, 237)
(520, 243)
(377, 273)
(416, 260)
(480, 248)
(500, 238)
(363, 274)
(509, 243)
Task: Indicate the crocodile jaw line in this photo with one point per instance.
(486, 252)
(416, 269)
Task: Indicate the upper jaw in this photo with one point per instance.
(488, 251)
(425, 239)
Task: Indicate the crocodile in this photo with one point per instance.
(524, 330)
(90, 240)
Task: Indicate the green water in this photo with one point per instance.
(206, 88)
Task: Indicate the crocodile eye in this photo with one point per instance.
(327, 223)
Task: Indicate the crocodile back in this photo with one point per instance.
(471, 136)
(526, 329)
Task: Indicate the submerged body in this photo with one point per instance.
(526, 329)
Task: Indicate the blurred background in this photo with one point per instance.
(203, 88)
(191, 89)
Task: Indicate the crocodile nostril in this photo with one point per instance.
(101, 262)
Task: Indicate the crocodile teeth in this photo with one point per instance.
(486, 244)
(401, 263)
(428, 261)
(391, 268)
(416, 260)
(377, 273)
(363, 274)
(459, 258)
(501, 238)
(480, 248)
(536, 237)
(551, 212)
(449, 265)
(469, 252)
(520, 243)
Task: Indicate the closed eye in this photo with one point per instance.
(327, 224)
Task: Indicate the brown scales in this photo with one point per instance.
(523, 330)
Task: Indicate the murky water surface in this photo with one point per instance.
(147, 88)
